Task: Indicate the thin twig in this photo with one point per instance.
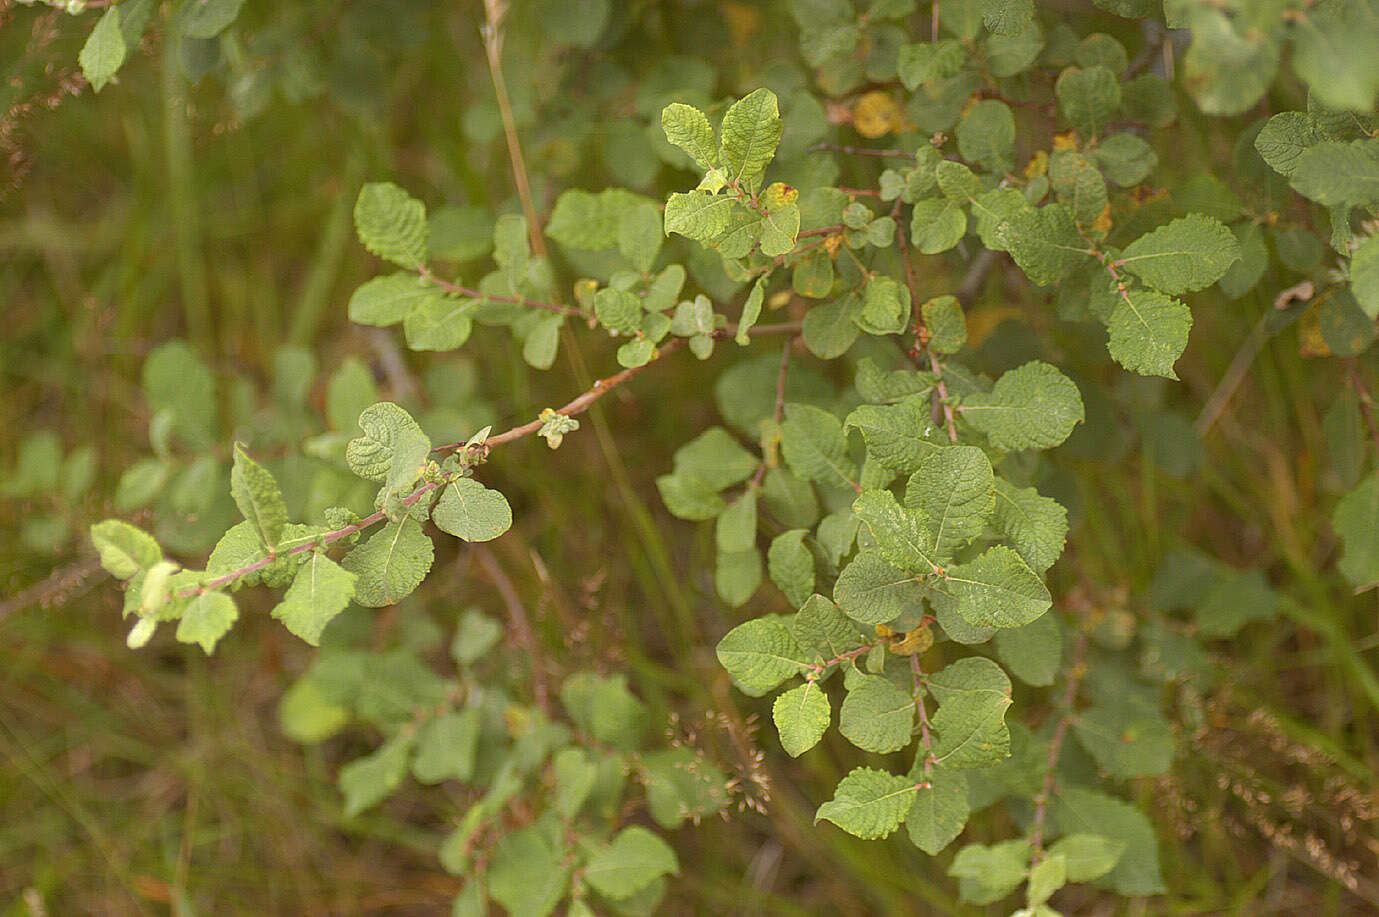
(779, 411)
(577, 406)
(975, 277)
(1076, 670)
(459, 290)
(858, 151)
(925, 733)
(58, 586)
(492, 32)
(1235, 373)
(521, 626)
(1366, 401)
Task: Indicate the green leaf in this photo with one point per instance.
(240, 547)
(1191, 253)
(575, 777)
(930, 61)
(903, 535)
(869, 803)
(971, 730)
(1088, 98)
(1081, 811)
(940, 811)
(698, 215)
(1228, 68)
(1034, 652)
(1044, 242)
(1245, 274)
(1283, 140)
(990, 873)
(258, 497)
(606, 709)
(689, 498)
(391, 224)
(998, 589)
(1032, 407)
(207, 617)
(1087, 856)
(1047, 877)
(471, 511)
(820, 627)
(541, 341)
(1148, 332)
(1339, 174)
(320, 591)
(682, 784)
(439, 323)
(390, 564)
(1356, 521)
(688, 128)
(737, 575)
(986, 136)
(898, 436)
(814, 447)
(1125, 742)
(618, 310)
(759, 655)
(716, 459)
(1126, 159)
(1007, 17)
(1036, 525)
(527, 875)
(736, 529)
(389, 433)
(351, 390)
(885, 306)
(791, 566)
(633, 860)
(1334, 49)
(596, 222)
(124, 549)
(877, 715)
(141, 483)
(1236, 598)
(751, 311)
(307, 716)
(936, 225)
(1364, 276)
(476, 634)
(369, 780)
(749, 135)
(829, 329)
(104, 50)
(391, 298)
(871, 591)
(446, 747)
(175, 380)
(947, 326)
(955, 490)
(801, 715)
(205, 19)
(779, 229)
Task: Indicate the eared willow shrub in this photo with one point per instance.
(901, 515)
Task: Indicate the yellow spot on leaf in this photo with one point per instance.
(914, 642)
(877, 114)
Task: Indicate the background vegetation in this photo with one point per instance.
(208, 199)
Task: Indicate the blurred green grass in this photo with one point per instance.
(143, 783)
